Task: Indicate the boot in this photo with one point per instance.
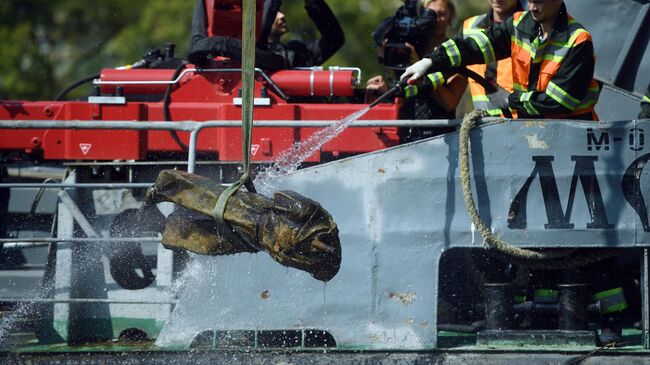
(611, 332)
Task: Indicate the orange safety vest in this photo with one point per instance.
(551, 53)
(503, 72)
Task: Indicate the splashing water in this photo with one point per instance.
(266, 182)
(269, 178)
(9, 322)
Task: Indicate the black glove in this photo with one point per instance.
(499, 99)
(205, 49)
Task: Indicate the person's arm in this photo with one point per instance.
(565, 91)
(475, 46)
(199, 23)
(203, 48)
(332, 37)
(448, 95)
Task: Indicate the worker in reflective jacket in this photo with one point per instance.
(552, 59)
(552, 67)
(498, 72)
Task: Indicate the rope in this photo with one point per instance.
(543, 259)
(579, 258)
(248, 84)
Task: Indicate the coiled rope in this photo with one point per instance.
(551, 259)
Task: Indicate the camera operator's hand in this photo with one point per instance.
(417, 70)
(377, 83)
(375, 86)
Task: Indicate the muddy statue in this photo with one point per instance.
(296, 231)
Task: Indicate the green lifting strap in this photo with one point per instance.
(248, 79)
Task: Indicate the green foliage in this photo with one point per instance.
(48, 44)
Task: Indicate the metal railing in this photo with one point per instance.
(194, 128)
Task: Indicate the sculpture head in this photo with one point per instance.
(300, 233)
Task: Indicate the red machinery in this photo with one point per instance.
(106, 172)
(209, 94)
(197, 96)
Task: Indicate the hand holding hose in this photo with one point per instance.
(423, 86)
(393, 91)
(417, 70)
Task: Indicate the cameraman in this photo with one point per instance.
(437, 101)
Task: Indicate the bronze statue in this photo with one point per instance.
(296, 231)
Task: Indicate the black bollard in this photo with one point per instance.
(499, 306)
(572, 314)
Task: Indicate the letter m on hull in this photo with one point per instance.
(559, 218)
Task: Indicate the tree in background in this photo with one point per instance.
(48, 44)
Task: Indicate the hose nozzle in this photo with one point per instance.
(392, 91)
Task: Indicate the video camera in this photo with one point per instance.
(406, 26)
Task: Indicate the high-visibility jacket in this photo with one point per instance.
(499, 71)
(552, 78)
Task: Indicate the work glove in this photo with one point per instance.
(417, 70)
(499, 99)
(430, 83)
(204, 50)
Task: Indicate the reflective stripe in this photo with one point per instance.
(436, 79)
(561, 96)
(646, 99)
(520, 298)
(517, 17)
(575, 34)
(538, 48)
(481, 102)
(551, 50)
(473, 22)
(525, 99)
(410, 91)
(452, 52)
(523, 43)
(611, 300)
(546, 296)
(593, 93)
(482, 42)
(556, 51)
